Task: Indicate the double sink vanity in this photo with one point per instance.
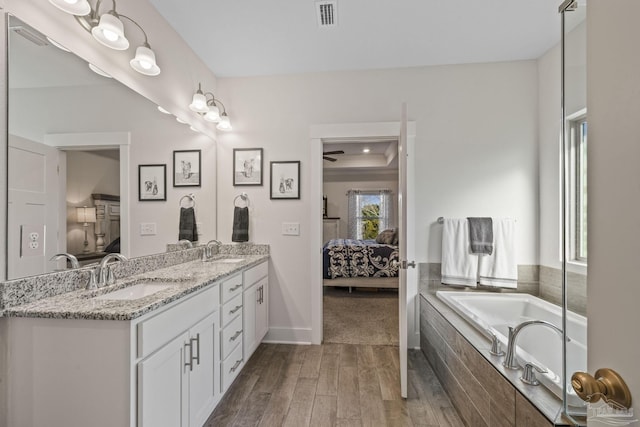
(158, 348)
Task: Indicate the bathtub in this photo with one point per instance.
(495, 312)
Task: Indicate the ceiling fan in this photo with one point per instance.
(331, 159)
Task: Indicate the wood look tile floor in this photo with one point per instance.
(333, 385)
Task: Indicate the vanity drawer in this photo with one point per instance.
(256, 273)
(231, 367)
(231, 287)
(231, 309)
(231, 336)
(160, 329)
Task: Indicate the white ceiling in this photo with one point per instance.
(257, 37)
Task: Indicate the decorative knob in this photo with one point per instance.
(606, 383)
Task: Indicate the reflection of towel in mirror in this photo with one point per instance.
(187, 227)
(240, 225)
(481, 235)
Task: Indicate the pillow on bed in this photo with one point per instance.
(385, 237)
(395, 237)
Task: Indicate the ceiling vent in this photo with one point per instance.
(327, 12)
(30, 34)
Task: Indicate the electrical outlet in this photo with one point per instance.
(31, 240)
(290, 228)
(148, 229)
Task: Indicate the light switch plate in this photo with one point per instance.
(290, 228)
(148, 229)
(31, 240)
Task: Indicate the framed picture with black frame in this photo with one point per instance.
(152, 183)
(285, 180)
(247, 166)
(187, 167)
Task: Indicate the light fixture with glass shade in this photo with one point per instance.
(85, 216)
(208, 106)
(108, 29)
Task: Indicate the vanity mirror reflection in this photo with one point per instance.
(75, 140)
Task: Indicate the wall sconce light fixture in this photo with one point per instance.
(85, 216)
(107, 28)
(206, 104)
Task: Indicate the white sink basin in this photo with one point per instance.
(134, 292)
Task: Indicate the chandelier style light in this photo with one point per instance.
(108, 29)
(206, 104)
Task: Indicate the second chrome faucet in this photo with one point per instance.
(510, 356)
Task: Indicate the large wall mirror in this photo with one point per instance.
(75, 140)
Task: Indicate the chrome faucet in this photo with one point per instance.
(186, 243)
(207, 250)
(71, 258)
(105, 275)
(510, 358)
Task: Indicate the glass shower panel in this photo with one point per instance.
(575, 164)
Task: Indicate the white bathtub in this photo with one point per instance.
(495, 312)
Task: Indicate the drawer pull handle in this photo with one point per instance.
(235, 287)
(234, 367)
(238, 307)
(236, 335)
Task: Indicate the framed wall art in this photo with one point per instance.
(186, 168)
(285, 180)
(152, 182)
(247, 166)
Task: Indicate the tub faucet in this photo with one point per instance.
(71, 258)
(510, 358)
(105, 275)
(186, 243)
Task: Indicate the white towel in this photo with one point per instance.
(459, 266)
(500, 268)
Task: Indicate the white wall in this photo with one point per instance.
(336, 187)
(476, 151)
(87, 173)
(613, 77)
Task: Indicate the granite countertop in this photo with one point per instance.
(188, 277)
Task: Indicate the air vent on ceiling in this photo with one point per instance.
(327, 12)
(30, 34)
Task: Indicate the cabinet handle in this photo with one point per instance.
(234, 367)
(188, 363)
(197, 341)
(235, 287)
(238, 307)
(236, 335)
(259, 292)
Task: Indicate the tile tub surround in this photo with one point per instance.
(30, 289)
(483, 391)
(528, 279)
(551, 289)
(80, 304)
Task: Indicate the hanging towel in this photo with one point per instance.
(240, 225)
(481, 235)
(459, 266)
(500, 268)
(187, 227)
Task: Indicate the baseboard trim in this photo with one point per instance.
(288, 336)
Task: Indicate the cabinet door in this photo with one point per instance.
(251, 296)
(262, 311)
(204, 378)
(163, 386)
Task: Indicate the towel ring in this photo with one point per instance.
(189, 196)
(243, 198)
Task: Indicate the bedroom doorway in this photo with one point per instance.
(407, 296)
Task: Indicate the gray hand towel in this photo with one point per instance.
(481, 235)
(187, 228)
(240, 225)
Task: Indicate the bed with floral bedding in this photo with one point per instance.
(365, 263)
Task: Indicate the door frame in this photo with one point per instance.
(352, 130)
